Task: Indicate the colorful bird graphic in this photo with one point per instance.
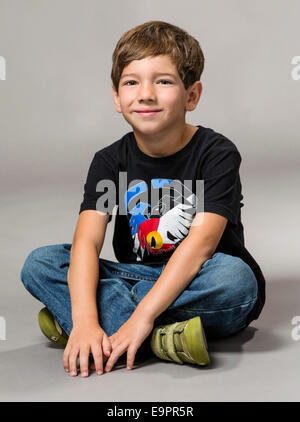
(166, 226)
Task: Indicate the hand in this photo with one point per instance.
(129, 337)
(85, 337)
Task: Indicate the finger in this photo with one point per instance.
(131, 352)
(98, 358)
(106, 345)
(84, 361)
(116, 353)
(73, 362)
(92, 364)
(66, 360)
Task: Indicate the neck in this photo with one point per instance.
(163, 144)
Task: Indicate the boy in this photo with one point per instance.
(180, 272)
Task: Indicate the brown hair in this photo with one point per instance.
(156, 38)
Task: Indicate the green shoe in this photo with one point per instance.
(181, 342)
(51, 328)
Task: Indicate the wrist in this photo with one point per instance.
(85, 319)
(143, 312)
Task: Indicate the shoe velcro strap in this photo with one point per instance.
(169, 347)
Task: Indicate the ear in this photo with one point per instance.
(116, 99)
(193, 96)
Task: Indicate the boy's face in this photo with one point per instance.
(154, 84)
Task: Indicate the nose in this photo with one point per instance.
(146, 92)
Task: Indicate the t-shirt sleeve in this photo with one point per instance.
(222, 188)
(100, 187)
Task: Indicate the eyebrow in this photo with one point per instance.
(156, 74)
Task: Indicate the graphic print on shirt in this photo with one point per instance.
(160, 229)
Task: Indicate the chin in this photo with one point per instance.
(147, 127)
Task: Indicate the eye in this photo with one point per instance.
(164, 80)
(128, 82)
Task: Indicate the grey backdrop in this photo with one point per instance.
(56, 111)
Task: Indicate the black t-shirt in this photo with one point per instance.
(155, 204)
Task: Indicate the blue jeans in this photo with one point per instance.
(222, 293)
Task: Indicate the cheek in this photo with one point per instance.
(170, 98)
(126, 98)
(126, 103)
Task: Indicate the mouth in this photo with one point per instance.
(148, 113)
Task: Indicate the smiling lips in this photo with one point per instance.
(147, 112)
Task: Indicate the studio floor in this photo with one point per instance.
(258, 364)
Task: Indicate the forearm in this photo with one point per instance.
(180, 270)
(83, 277)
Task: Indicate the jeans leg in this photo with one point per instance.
(115, 304)
(44, 275)
(222, 293)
